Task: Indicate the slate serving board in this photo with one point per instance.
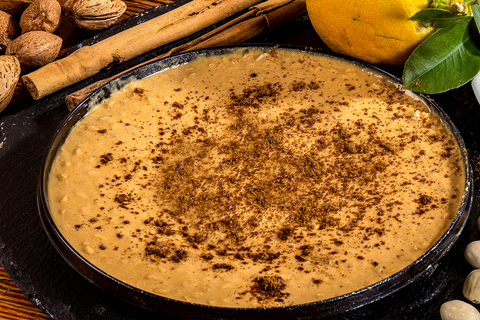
(50, 283)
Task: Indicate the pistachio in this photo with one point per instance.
(93, 15)
(472, 254)
(9, 75)
(458, 310)
(41, 15)
(471, 286)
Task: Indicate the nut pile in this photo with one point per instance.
(27, 39)
(460, 310)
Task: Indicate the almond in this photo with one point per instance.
(93, 15)
(35, 49)
(9, 75)
(9, 30)
(41, 15)
(14, 7)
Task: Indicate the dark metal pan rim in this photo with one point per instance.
(333, 306)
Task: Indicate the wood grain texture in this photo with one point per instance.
(13, 304)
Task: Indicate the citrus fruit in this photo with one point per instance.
(376, 31)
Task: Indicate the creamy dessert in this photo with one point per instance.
(256, 179)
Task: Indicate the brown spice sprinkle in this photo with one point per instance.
(350, 164)
(104, 159)
(268, 287)
(262, 192)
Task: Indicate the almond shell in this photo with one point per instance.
(35, 49)
(41, 15)
(9, 75)
(93, 15)
(14, 7)
(9, 30)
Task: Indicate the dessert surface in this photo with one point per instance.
(256, 179)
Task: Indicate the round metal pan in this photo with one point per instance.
(318, 309)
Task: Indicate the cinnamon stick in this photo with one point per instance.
(260, 18)
(89, 60)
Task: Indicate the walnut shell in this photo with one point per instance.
(9, 30)
(9, 75)
(35, 49)
(93, 15)
(41, 15)
(14, 7)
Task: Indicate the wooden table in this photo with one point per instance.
(13, 304)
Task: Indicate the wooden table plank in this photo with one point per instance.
(14, 305)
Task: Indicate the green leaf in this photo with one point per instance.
(446, 60)
(476, 15)
(440, 18)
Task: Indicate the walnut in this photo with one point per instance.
(93, 15)
(9, 30)
(35, 49)
(41, 15)
(9, 75)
